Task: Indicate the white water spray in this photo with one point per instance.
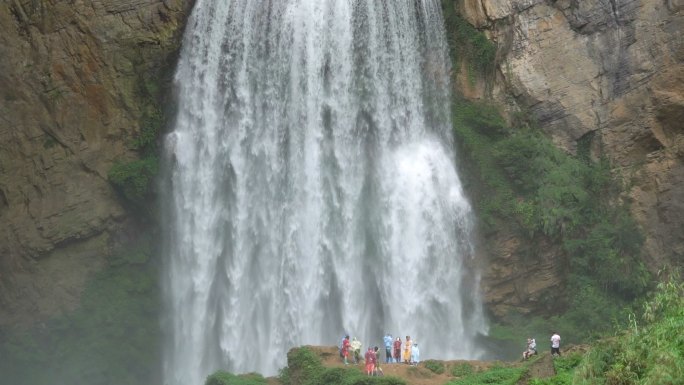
(311, 186)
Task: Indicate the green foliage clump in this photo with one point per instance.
(436, 367)
(134, 179)
(647, 355)
(493, 376)
(461, 370)
(224, 378)
(305, 368)
(466, 43)
(150, 128)
(111, 339)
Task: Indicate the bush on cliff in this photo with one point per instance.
(224, 378)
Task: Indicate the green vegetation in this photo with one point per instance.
(466, 43)
(436, 367)
(493, 376)
(225, 378)
(112, 338)
(647, 354)
(305, 368)
(652, 354)
(525, 184)
(462, 370)
(134, 178)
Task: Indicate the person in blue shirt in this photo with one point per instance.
(388, 348)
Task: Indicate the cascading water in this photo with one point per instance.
(311, 183)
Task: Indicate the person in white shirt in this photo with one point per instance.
(555, 344)
(531, 348)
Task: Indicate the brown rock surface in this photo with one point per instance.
(611, 74)
(70, 75)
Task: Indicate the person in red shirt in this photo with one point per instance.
(345, 349)
(370, 361)
(397, 350)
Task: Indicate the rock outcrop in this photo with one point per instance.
(73, 77)
(604, 74)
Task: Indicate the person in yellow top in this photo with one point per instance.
(407, 350)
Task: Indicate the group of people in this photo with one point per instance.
(532, 346)
(410, 354)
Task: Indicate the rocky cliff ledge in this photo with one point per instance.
(71, 75)
(602, 76)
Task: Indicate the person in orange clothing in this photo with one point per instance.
(407, 350)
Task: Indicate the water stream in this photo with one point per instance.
(310, 185)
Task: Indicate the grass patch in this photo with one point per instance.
(436, 367)
(462, 370)
(493, 376)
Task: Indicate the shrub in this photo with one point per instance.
(466, 42)
(134, 179)
(224, 378)
(461, 370)
(435, 366)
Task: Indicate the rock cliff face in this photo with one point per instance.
(74, 79)
(605, 76)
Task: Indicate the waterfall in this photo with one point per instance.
(310, 186)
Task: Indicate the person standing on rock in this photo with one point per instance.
(388, 348)
(555, 344)
(370, 367)
(415, 354)
(345, 349)
(407, 350)
(397, 350)
(356, 349)
(377, 370)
